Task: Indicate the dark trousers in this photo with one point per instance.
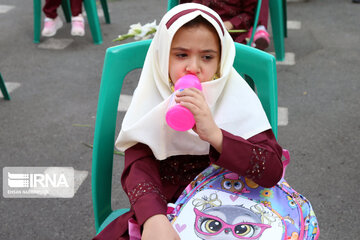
(264, 13)
(51, 6)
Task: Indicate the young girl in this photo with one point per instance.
(231, 128)
(53, 22)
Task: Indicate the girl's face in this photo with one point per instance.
(194, 50)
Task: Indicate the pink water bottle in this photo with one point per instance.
(178, 117)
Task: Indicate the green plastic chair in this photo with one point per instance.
(3, 89)
(91, 12)
(122, 59)
(278, 16)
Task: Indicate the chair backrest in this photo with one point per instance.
(119, 61)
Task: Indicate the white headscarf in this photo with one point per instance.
(234, 105)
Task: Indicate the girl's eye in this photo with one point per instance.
(181, 55)
(208, 57)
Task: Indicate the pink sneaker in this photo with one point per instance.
(51, 26)
(261, 38)
(77, 26)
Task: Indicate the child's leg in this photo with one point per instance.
(261, 37)
(77, 20)
(264, 13)
(52, 21)
(76, 7)
(50, 8)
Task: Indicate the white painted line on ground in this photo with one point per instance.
(124, 102)
(79, 177)
(10, 86)
(5, 8)
(293, 25)
(283, 119)
(55, 44)
(289, 59)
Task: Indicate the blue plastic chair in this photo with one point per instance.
(278, 16)
(3, 89)
(122, 59)
(91, 12)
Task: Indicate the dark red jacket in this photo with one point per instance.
(151, 184)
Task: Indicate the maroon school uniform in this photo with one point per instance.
(150, 184)
(50, 8)
(241, 14)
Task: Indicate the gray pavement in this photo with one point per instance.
(53, 108)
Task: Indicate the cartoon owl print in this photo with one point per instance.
(228, 222)
(232, 183)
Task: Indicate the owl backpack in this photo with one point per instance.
(222, 205)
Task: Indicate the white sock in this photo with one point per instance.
(261, 27)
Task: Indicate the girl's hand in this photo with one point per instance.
(194, 100)
(158, 227)
(228, 25)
